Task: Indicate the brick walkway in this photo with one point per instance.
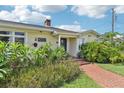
(102, 77)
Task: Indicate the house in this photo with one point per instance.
(35, 36)
(88, 36)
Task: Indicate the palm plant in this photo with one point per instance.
(109, 36)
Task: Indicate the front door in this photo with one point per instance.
(64, 43)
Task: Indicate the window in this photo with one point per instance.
(19, 33)
(20, 37)
(89, 35)
(5, 38)
(20, 40)
(5, 32)
(12, 36)
(82, 41)
(41, 39)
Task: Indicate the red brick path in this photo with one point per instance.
(102, 77)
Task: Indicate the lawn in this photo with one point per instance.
(83, 81)
(116, 68)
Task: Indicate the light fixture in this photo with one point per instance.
(54, 33)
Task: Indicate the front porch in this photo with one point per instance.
(70, 44)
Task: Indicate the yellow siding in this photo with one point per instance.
(32, 34)
(88, 39)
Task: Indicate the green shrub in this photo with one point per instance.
(102, 52)
(58, 55)
(3, 60)
(48, 76)
(18, 61)
(89, 51)
(118, 58)
(42, 54)
(19, 55)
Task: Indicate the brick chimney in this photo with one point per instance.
(47, 23)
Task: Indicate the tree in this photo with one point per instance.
(109, 36)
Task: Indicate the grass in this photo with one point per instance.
(83, 81)
(115, 68)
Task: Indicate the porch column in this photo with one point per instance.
(59, 38)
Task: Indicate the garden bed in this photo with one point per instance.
(24, 67)
(49, 76)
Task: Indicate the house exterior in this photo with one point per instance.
(88, 36)
(36, 36)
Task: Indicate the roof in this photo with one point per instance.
(31, 26)
(90, 31)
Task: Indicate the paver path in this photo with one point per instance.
(103, 77)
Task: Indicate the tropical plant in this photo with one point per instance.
(16, 57)
(3, 71)
(58, 55)
(3, 60)
(89, 51)
(41, 55)
(19, 56)
(108, 36)
(103, 52)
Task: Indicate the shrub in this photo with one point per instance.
(3, 60)
(103, 52)
(58, 55)
(48, 76)
(27, 65)
(89, 51)
(118, 58)
(19, 55)
(41, 55)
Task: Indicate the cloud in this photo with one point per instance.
(73, 27)
(49, 8)
(76, 22)
(91, 11)
(119, 9)
(23, 14)
(5, 15)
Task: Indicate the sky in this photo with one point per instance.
(70, 17)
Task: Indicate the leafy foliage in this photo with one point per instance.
(3, 60)
(41, 55)
(103, 52)
(52, 75)
(21, 66)
(109, 36)
(58, 55)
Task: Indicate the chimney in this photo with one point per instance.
(47, 23)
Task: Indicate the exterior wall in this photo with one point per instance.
(92, 37)
(73, 46)
(32, 34)
(49, 39)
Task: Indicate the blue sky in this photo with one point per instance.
(77, 18)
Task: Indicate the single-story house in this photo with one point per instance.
(35, 36)
(88, 36)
